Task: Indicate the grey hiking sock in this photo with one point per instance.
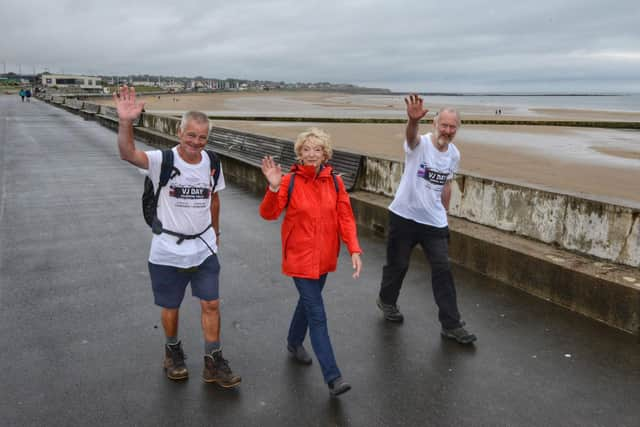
(211, 346)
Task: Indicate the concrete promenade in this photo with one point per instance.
(82, 342)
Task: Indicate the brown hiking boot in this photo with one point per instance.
(174, 364)
(217, 370)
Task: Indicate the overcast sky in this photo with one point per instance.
(422, 45)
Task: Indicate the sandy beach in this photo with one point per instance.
(323, 104)
(600, 162)
(554, 158)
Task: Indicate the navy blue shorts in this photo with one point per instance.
(169, 283)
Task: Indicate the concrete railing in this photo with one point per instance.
(163, 124)
(591, 227)
(74, 104)
(90, 108)
(109, 112)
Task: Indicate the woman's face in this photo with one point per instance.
(312, 153)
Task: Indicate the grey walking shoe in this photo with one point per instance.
(338, 387)
(300, 354)
(460, 334)
(390, 311)
(174, 364)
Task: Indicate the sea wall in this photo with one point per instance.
(591, 227)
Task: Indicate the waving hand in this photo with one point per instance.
(415, 110)
(272, 171)
(128, 108)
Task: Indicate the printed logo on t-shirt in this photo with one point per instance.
(188, 192)
(432, 176)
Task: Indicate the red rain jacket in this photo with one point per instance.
(315, 220)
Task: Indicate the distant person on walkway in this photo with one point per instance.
(317, 215)
(418, 215)
(23, 93)
(28, 95)
(184, 246)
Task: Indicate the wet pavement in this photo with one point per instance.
(82, 342)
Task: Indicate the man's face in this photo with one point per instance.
(193, 138)
(445, 128)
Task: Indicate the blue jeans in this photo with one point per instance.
(310, 314)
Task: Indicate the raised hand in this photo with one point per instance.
(415, 110)
(272, 171)
(125, 100)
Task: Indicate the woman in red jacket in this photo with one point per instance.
(318, 214)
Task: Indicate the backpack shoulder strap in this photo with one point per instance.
(290, 189)
(214, 163)
(165, 168)
(335, 182)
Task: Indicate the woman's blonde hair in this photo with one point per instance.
(318, 136)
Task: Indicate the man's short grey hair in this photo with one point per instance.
(196, 116)
(448, 110)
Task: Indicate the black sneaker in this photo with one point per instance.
(460, 334)
(217, 370)
(338, 386)
(391, 312)
(174, 364)
(300, 354)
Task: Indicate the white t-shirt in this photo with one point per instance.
(184, 206)
(426, 170)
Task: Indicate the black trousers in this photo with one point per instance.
(404, 235)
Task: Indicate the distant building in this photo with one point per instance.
(72, 81)
(172, 86)
(146, 83)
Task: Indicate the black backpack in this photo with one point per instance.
(150, 197)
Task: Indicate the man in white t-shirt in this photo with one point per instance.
(418, 215)
(184, 245)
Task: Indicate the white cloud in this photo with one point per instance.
(465, 45)
(608, 55)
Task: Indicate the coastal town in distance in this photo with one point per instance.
(150, 83)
